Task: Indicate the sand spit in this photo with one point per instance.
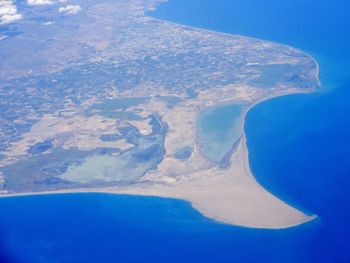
(230, 196)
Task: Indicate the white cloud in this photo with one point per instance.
(40, 2)
(8, 12)
(70, 9)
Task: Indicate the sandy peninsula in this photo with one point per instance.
(230, 196)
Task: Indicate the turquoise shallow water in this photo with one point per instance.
(218, 128)
(299, 149)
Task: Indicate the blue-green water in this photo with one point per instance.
(218, 129)
(183, 153)
(299, 149)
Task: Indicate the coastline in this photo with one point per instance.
(231, 195)
(240, 35)
(211, 192)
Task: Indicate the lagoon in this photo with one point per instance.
(218, 128)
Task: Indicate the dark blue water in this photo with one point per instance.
(299, 149)
(110, 228)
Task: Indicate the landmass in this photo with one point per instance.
(108, 99)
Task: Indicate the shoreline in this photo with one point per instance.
(231, 195)
(295, 217)
(305, 52)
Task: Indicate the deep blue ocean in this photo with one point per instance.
(299, 149)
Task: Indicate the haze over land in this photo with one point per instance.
(107, 99)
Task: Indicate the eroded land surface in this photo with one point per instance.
(108, 100)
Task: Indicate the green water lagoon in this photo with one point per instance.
(218, 129)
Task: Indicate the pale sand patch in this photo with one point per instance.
(143, 126)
